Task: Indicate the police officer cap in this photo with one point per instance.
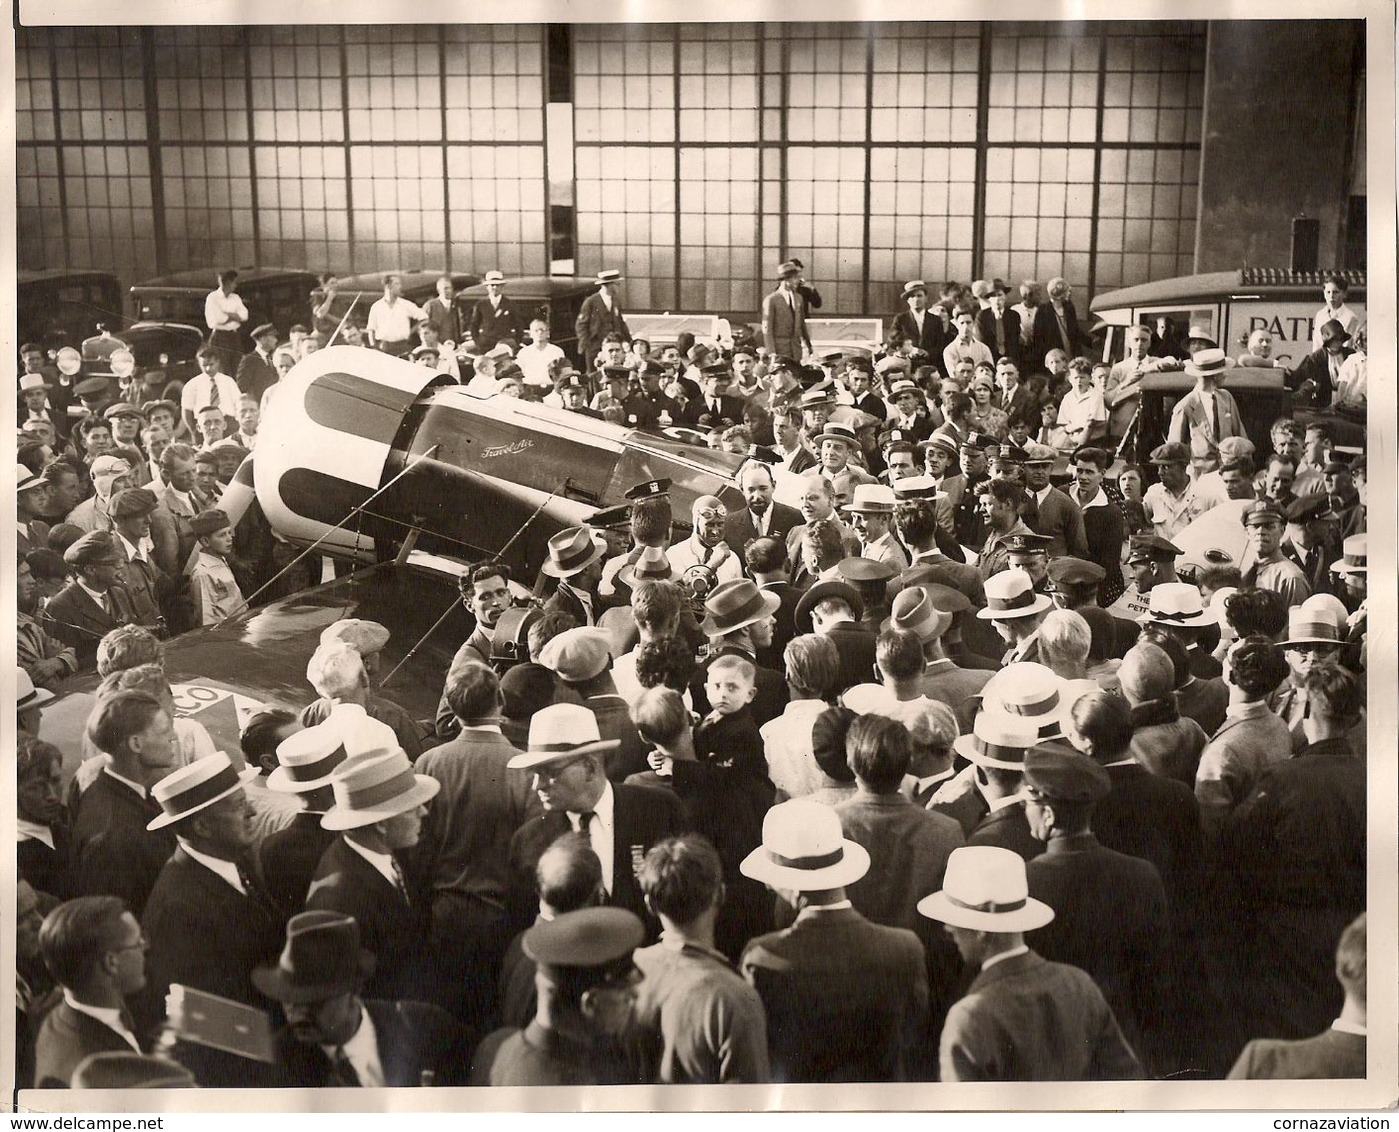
(572, 381)
(621, 373)
(1308, 507)
(979, 440)
(1261, 511)
(589, 937)
(265, 328)
(1028, 544)
(864, 570)
(651, 489)
(1012, 453)
(1153, 546)
(132, 502)
(612, 519)
(1075, 572)
(92, 548)
(92, 387)
(1062, 774)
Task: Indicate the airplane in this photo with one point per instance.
(363, 454)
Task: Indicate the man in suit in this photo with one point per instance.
(784, 316)
(923, 326)
(172, 537)
(871, 514)
(762, 517)
(575, 560)
(600, 315)
(1015, 398)
(333, 1036)
(996, 748)
(113, 851)
(565, 755)
(1336, 1052)
(94, 602)
(485, 590)
(1317, 375)
(144, 582)
(1312, 539)
(835, 610)
(1052, 513)
(1208, 413)
(1023, 1018)
(846, 999)
(1016, 611)
(581, 658)
(494, 318)
(302, 761)
(368, 872)
(717, 408)
(999, 327)
(1056, 325)
(94, 948)
(208, 892)
(256, 373)
(1111, 917)
(766, 559)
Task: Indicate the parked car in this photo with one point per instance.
(279, 295)
(61, 308)
(559, 296)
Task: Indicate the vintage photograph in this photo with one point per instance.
(828, 551)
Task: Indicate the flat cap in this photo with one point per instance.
(1232, 447)
(1039, 454)
(1154, 547)
(132, 502)
(1069, 571)
(92, 548)
(1063, 774)
(577, 654)
(1170, 453)
(589, 937)
(208, 522)
(651, 489)
(1306, 508)
(263, 328)
(121, 409)
(1262, 511)
(366, 637)
(92, 387)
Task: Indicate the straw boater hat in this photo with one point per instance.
(573, 550)
(375, 789)
(984, 889)
(1207, 363)
(839, 432)
(735, 604)
(196, 787)
(872, 499)
(918, 487)
(609, 276)
(1176, 603)
(803, 849)
(913, 611)
(998, 739)
(1009, 595)
(497, 277)
(913, 285)
(651, 565)
(307, 760)
(1031, 691)
(322, 959)
(561, 731)
(1353, 552)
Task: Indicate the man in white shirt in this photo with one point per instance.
(1334, 292)
(392, 318)
(706, 546)
(224, 315)
(1176, 501)
(535, 357)
(966, 344)
(211, 386)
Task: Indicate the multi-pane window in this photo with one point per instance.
(303, 207)
(922, 205)
(718, 229)
(495, 82)
(1146, 215)
(827, 69)
(398, 207)
(38, 205)
(296, 84)
(626, 219)
(34, 110)
(109, 207)
(101, 96)
(624, 82)
(209, 204)
(1039, 209)
(924, 82)
(394, 79)
(719, 75)
(826, 221)
(201, 84)
(495, 198)
(1154, 85)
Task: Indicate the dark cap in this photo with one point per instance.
(265, 328)
(818, 593)
(1335, 467)
(92, 387)
(716, 369)
(589, 937)
(900, 436)
(1154, 547)
(651, 489)
(1064, 775)
(1028, 544)
(122, 409)
(980, 440)
(92, 548)
(621, 373)
(132, 502)
(208, 522)
(1309, 507)
(864, 570)
(153, 406)
(1262, 511)
(763, 454)
(612, 518)
(572, 381)
(1075, 572)
(1012, 453)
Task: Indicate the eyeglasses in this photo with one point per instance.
(142, 944)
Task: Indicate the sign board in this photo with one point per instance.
(663, 329)
(1290, 324)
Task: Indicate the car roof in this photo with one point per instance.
(412, 280)
(1235, 378)
(1249, 282)
(221, 675)
(58, 274)
(542, 286)
(207, 278)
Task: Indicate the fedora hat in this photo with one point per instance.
(1312, 626)
(28, 381)
(497, 277)
(998, 739)
(913, 285)
(321, 959)
(734, 604)
(843, 433)
(307, 760)
(26, 694)
(872, 499)
(612, 275)
(913, 611)
(803, 849)
(27, 480)
(1333, 331)
(1353, 552)
(788, 268)
(984, 889)
(1031, 691)
(1176, 603)
(196, 787)
(1011, 594)
(572, 550)
(942, 440)
(1207, 363)
(818, 593)
(1199, 332)
(375, 788)
(651, 565)
(561, 731)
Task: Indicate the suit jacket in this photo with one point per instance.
(145, 585)
(784, 328)
(113, 853)
(739, 529)
(207, 935)
(855, 644)
(287, 859)
(934, 337)
(255, 375)
(595, 322)
(475, 647)
(1316, 369)
(1059, 518)
(413, 1037)
(845, 999)
(730, 409)
(1157, 820)
(1205, 700)
(488, 325)
(1332, 1054)
(80, 623)
(640, 818)
(1021, 404)
(567, 601)
(614, 722)
(1192, 424)
(1027, 1019)
(784, 623)
(66, 1036)
(769, 700)
(1007, 828)
(1046, 336)
(958, 688)
(986, 331)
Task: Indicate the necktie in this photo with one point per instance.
(399, 882)
(1000, 338)
(341, 1071)
(1214, 412)
(108, 604)
(585, 822)
(792, 301)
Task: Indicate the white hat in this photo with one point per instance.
(26, 480)
(197, 787)
(26, 694)
(561, 731)
(984, 889)
(872, 499)
(1011, 594)
(307, 760)
(1353, 555)
(28, 381)
(374, 789)
(998, 739)
(1031, 691)
(803, 849)
(497, 277)
(1176, 603)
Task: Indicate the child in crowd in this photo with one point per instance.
(212, 584)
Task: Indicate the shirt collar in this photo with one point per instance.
(225, 869)
(98, 598)
(383, 862)
(998, 804)
(492, 727)
(602, 811)
(1348, 1027)
(1023, 949)
(934, 779)
(140, 790)
(362, 1050)
(1250, 710)
(107, 1015)
(817, 909)
(135, 551)
(33, 831)
(1099, 500)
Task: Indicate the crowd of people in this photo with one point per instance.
(879, 786)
